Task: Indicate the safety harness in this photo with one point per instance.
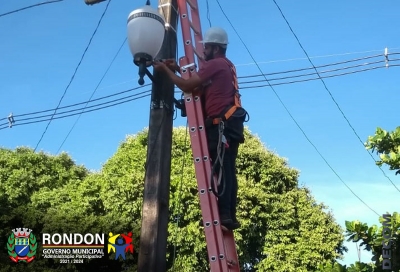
(222, 141)
(227, 113)
(222, 145)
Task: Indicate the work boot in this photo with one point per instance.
(226, 221)
(235, 224)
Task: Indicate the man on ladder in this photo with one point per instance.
(217, 82)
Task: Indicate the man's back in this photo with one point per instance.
(218, 87)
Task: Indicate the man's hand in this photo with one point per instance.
(171, 63)
(169, 66)
(159, 65)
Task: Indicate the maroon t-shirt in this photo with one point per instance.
(218, 85)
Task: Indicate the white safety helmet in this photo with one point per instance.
(216, 35)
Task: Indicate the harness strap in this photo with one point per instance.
(237, 101)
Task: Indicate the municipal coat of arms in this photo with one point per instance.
(22, 245)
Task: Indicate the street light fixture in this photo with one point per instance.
(146, 30)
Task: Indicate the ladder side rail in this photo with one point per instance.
(185, 25)
(228, 237)
(213, 233)
(195, 17)
(227, 260)
(230, 251)
(191, 50)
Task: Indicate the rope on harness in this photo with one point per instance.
(222, 144)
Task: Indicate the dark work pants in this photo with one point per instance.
(227, 201)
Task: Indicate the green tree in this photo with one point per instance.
(387, 145)
(336, 267)
(23, 174)
(283, 227)
(371, 238)
(331, 267)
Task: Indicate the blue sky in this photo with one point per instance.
(41, 47)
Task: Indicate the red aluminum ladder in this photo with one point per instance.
(221, 245)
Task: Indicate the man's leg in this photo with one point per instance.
(213, 139)
(226, 189)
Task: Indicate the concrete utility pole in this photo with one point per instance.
(154, 231)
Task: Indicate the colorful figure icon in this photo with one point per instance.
(128, 241)
(120, 247)
(111, 241)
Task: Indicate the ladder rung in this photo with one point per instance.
(199, 55)
(196, 31)
(191, 4)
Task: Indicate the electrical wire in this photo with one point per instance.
(309, 79)
(322, 72)
(80, 103)
(81, 109)
(150, 152)
(243, 85)
(74, 114)
(73, 75)
(287, 60)
(31, 6)
(86, 111)
(331, 64)
(180, 188)
(315, 57)
(310, 74)
(208, 13)
(291, 116)
(251, 76)
(98, 84)
(329, 92)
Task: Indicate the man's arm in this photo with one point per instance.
(186, 85)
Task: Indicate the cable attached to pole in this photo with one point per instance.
(222, 144)
(180, 190)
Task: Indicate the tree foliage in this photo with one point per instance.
(336, 267)
(24, 175)
(371, 239)
(387, 145)
(283, 227)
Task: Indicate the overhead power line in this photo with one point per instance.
(74, 112)
(29, 7)
(71, 108)
(91, 96)
(330, 94)
(316, 57)
(73, 75)
(291, 116)
(208, 13)
(78, 104)
(308, 79)
(242, 84)
(381, 56)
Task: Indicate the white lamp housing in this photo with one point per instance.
(146, 30)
